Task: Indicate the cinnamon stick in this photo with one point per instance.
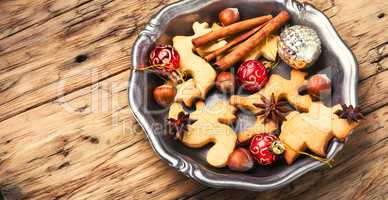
(232, 43)
(242, 50)
(230, 30)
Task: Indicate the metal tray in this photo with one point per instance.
(336, 60)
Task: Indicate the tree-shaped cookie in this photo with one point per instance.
(282, 89)
(210, 127)
(314, 130)
(202, 73)
(268, 119)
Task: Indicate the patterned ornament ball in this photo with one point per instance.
(299, 46)
(252, 75)
(165, 55)
(265, 148)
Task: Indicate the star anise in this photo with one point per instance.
(272, 110)
(350, 113)
(177, 127)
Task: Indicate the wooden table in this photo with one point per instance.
(66, 131)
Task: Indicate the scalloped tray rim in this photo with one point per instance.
(195, 171)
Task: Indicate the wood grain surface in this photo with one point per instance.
(66, 131)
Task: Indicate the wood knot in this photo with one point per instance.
(81, 58)
(92, 140)
(65, 164)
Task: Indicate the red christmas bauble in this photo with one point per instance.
(252, 75)
(263, 148)
(165, 55)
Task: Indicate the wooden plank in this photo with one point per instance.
(361, 31)
(87, 145)
(99, 29)
(39, 64)
(18, 16)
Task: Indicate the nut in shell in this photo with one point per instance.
(225, 82)
(164, 95)
(240, 160)
(229, 16)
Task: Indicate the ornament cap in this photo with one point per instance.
(277, 147)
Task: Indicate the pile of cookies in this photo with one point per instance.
(290, 117)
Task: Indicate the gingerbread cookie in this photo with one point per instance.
(187, 92)
(313, 130)
(210, 127)
(258, 127)
(281, 88)
(202, 73)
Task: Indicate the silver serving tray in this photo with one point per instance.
(336, 60)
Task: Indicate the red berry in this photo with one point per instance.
(167, 55)
(252, 75)
(262, 148)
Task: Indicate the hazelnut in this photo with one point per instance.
(229, 16)
(225, 82)
(164, 95)
(240, 160)
(318, 86)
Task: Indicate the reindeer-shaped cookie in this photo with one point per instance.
(202, 73)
